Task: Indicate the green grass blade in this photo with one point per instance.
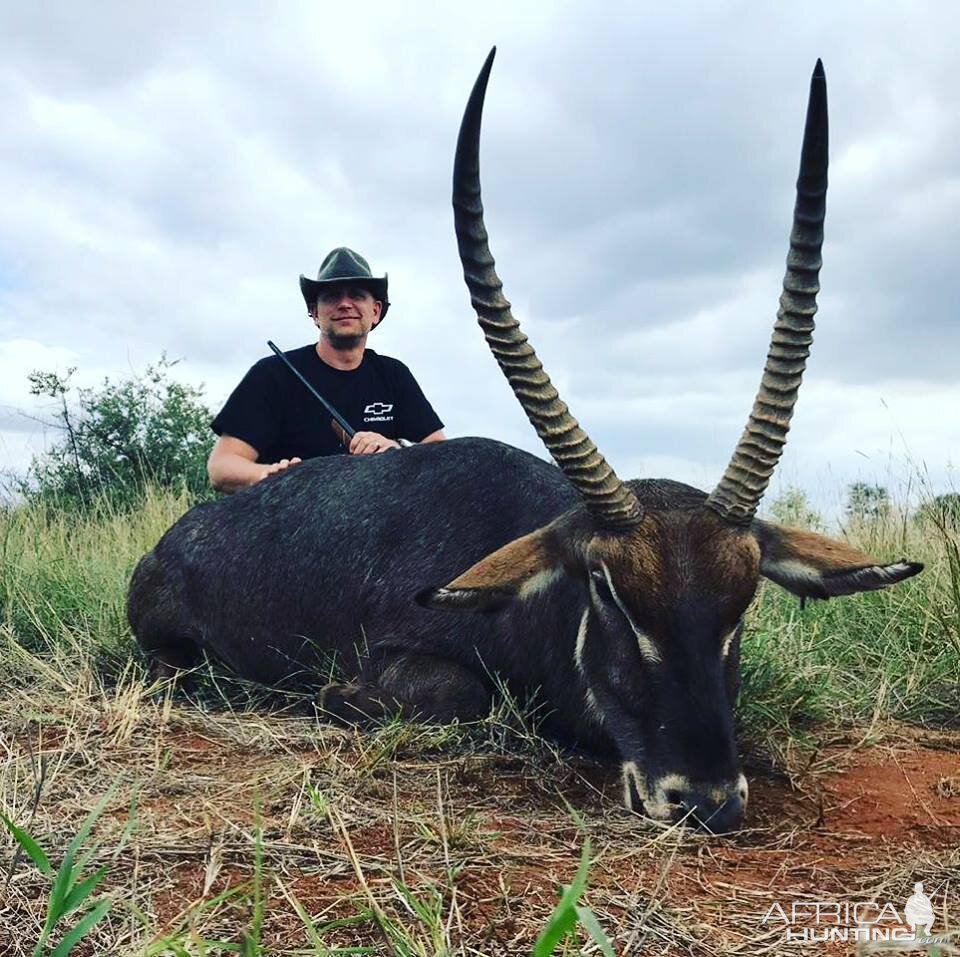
(87, 826)
(593, 928)
(61, 887)
(83, 926)
(178, 951)
(30, 846)
(421, 910)
(81, 891)
(313, 935)
(361, 918)
(561, 922)
(564, 917)
(573, 893)
(63, 883)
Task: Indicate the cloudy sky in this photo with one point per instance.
(168, 173)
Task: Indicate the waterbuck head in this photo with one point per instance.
(666, 572)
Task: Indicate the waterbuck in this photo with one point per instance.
(621, 603)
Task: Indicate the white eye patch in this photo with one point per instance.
(647, 648)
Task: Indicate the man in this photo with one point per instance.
(271, 421)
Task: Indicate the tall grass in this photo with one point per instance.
(888, 654)
(64, 574)
(893, 653)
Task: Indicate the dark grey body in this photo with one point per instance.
(325, 559)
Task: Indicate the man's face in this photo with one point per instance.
(345, 313)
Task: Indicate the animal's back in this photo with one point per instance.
(277, 578)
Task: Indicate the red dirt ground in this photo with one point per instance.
(856, 823)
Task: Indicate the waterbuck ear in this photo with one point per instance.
(814, 566)
(517, 570)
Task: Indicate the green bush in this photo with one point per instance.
(793, 508)
(120, 438)
(942, 511)
(866, 502)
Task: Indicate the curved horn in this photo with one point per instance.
(610, 502)
(738, 493)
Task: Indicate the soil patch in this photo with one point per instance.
(457, 845)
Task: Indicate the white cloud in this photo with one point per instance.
(174, 171)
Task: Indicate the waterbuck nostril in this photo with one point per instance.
(719, 818)
(727, 819)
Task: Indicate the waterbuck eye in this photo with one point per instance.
(599, 580)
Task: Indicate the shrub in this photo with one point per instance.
(942, 511)
(867, 503)
(793, 508)
(120, 437)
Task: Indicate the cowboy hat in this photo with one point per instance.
(343, 265)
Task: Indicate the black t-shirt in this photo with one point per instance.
(273, 411)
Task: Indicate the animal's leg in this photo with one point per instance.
(413, 686)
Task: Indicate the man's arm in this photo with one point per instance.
(437, 436)
(233, 465)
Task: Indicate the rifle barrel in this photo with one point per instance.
(338, 418)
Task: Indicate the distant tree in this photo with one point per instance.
(120, 437)
(942, 510)
(867, 502)
(794, 508)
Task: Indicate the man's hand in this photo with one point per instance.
(233, 465)
(365, 443)
(280, 466)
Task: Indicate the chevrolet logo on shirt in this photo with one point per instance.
(378, 412)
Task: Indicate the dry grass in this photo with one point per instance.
(457, 839)
(263, 830)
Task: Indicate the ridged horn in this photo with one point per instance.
(608, 500)
(738, 493)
